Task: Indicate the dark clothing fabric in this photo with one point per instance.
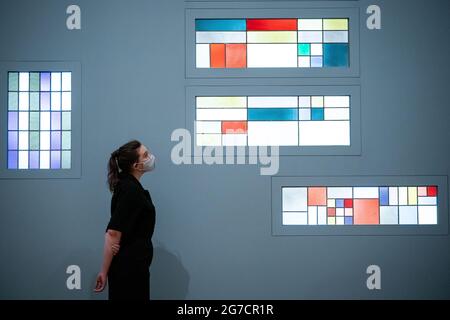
(133, 214)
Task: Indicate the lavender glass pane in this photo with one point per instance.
(45, 100)
(316, 62)
(12, 159)
(45, 81)
(34, 159)
(55, 138)
(55, 161)
(12, 140)
(12, 120)
(56, 121)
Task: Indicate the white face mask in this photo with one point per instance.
(149, 164)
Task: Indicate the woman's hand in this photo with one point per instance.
(101, 282)
(115, 248)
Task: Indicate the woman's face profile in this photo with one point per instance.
(144, 154)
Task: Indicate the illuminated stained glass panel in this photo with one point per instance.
(272, 43)
(39, 120)
(386, 205)
(273, 121)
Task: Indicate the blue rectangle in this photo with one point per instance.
(272, 114)
(317, 114)
(335, 55)
(384, 196)
(220, 25)
(339, 203)
(348, 220)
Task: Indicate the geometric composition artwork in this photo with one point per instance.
(39, 120)
(273, 121)
(272, 43)
(387, 205)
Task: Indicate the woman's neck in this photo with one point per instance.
(137, 174)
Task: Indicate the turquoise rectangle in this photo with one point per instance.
(272, 114)
(220, 25)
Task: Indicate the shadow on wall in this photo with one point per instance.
(168, 277)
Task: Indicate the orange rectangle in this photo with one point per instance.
(234, 126)
(217, 53)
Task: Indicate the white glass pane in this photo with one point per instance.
(272, 102)
(295, 218)
(231, 139)
(272, 133)
(209, 139)
(310, 36)
(24, 81)
(208, 127)
(294, 199)
(402, 196)
(202, 56)
(23, 140)
(304, 62)
(221, 102)
(45, 120)
(271, 55)
(427, 200)
(66, 101)
(66, 81)
(44, 159)
(337, 114)
(220, 37)
(393, 196)
(56, 101)
(221, 114)
(388, 215)
(312, 215)
(340, 192)
(340, 220)
(56, 81)
(304, 102)
(322, 215)
(45, 140)
(324, 133)
(304, 114)
(340, 212)
(316, 49)
(408, 214)
(427, 215)
(271, 37)
(23, 159)
(317, 102)
(24, 103)
(335, 36)
(23, 120)
(309, 24)
(337, 101)
(365, 192)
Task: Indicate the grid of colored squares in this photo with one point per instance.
(273, 121)
(272, 43)
(39, 120)
(387, 205)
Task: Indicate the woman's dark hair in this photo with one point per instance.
(122, 159)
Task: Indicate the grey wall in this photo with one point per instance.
(213, 234)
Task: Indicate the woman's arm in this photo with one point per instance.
(112, 237)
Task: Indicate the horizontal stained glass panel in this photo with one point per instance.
(39, 113)
(272, 43)
(386, 205)
(273, 121)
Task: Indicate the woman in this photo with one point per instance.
(130, 227)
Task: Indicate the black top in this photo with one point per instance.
(133, 214)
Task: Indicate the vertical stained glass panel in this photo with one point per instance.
(39, 134)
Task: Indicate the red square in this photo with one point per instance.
(331, 212)
(432, 191)
(348, 203)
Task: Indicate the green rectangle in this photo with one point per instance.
(65, 159)
(34, 140)
(34, 100)
(34, 81)
(304, 49)
(66, 142)
(13, 81)
(66, 121)
(34, 120)
(13, 100)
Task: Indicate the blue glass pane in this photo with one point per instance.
(335, 54)
(220, 25)
(317, 114)
(316, 61)
(12, 140)
(348, 220)
(384, 196)
(12, 159)
(55, 162)
(272, 114)
(34, 159)
(12, 120)
(339, 203)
